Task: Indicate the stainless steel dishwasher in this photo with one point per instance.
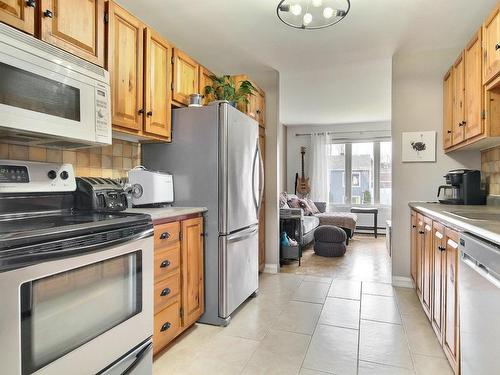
(479, 287)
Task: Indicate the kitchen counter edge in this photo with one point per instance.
(165, 214)
(490, 230)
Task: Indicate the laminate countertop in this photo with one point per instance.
(482, 221)
(166, 212)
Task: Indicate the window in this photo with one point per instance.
(336, 173)
(360, 173)
(385, 172)
(362, 167)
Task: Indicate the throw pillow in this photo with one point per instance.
(283, 200)
(305, 207)
(312, 206)
(294, 203)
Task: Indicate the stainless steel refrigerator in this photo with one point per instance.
(216, 163)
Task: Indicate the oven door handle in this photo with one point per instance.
(138, 358)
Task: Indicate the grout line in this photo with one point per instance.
(359, 325)
(382, 321)
(406, 333)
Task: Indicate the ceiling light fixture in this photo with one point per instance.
(318, 14)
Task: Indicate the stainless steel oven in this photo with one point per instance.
(76, 286)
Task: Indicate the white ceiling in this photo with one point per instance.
(336, 75)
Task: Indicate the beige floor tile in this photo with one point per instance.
(421, 337)
(345, 289)
(380, 289)
(311, 292)
(306, 371)
(340, 312)
(223, 355)
(431, 366)
(384, 343)
(299, 317)
(368, 368)
(380, 308)
(407, 301)
(318, 279)
(333, 349)
(279, 353)
(252, 320)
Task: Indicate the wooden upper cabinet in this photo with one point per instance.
(491, 45)
(185, 77)
(458, 121)
(205, 80)
(192, 270)
(450, 314)
(473, 87)
(448, 109)
(261, 110)
(19, 14)
(125, 65)
(157, 84)
(76, 26)
(438, 262)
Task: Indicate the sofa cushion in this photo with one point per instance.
(312, 206)
(309, 223)
(294, 203)
(340, 219)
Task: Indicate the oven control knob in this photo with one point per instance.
(52, 174)
(64, 175)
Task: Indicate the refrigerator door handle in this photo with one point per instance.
(262, 177)
(255, 160)
(242, 235)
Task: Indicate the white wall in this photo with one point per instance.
(341, 93)
(269, 82)
(416, 106)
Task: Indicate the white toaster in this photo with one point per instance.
(150, 187)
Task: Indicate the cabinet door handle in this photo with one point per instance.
(449, 132)
(149, 114)
(31, 3)
(164, 236)
(413, 226)
(441, 248)
(165, 264)
(48, 13)
(141, 111)
(165, 326)
(497, 47)
(165, 292)
(421, 232)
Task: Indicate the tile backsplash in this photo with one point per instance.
(490, 169)
(109, 161)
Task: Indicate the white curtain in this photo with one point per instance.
(318, 167)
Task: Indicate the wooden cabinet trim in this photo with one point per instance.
(51, 29)
(21, 17)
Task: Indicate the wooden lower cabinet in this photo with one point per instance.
(413, 246)
(178, 278)
(436, 267)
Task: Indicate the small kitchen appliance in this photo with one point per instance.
(150, 188)
(465, 187)
(49, 97)
(99, 194)
(77, 284)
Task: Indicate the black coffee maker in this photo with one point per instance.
(465, 186)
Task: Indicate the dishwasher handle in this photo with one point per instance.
(481, 269)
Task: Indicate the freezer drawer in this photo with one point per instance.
(239, 269)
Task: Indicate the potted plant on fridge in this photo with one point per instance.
(225, 88)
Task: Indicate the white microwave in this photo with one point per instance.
(49, 97)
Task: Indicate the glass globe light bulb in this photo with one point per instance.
(329, 12)
(296, 9)
(307, 18)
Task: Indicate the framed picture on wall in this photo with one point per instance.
(419, 147)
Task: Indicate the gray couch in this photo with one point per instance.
(305, 234)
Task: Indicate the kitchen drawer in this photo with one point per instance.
(166, 290)
(167, 324)
(167, 261)
(166, 234)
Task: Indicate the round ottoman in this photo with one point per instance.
(329, 241)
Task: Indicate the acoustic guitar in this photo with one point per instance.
(303, 186)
